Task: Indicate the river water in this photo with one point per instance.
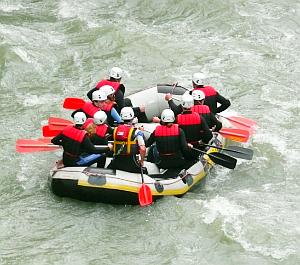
(250, 51)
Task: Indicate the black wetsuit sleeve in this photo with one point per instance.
(110, 130)
(215, 122)
(119, 98)
(88, 147)
(150, 140)
(57, 140)
(89, 94)
(183, 143)
(225, 103)
(177, 109)
(206, 132)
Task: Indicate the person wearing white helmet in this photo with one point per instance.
(78, 148)
(114, 81)
(128, 143)
(212, 96)
(194, 126)
(99, 102)
(213, 123)
(97, 129)
(170, 147)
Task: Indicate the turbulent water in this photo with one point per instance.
(250, 51)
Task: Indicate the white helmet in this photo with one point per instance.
(127, 114)
(108, 90)
(116, 73)
(198, 78)
(187, 101)
(100, 117)
(79, 118)
(99, 95)
(198, 95)
(167, 115)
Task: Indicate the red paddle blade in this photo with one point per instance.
(46, 140)
(145, 195)
(47, 132)
(237, 135)
(242, 121)
(52, 127)
(30, 146)
(73, 103)
(59, 121)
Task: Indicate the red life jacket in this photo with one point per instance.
(107, 106)
(90, 109)
(101, 130)
(167, 139)
(190, 122)
(207, 90)
(105, 82)
(74, 133)
(124, 140)
(88, 122)
(201, 109)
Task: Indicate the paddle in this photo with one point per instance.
(235, 151)
(73, 103)
(219, 158)
(235, 134)
(240, 121)
(59, 121)
(30, 146)
(50, 132)
(145, 195)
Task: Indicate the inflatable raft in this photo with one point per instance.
(120, 187)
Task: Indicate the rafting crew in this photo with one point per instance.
(99, 102)
(129, 145)
(171, 150)
(212, 96)
(78, 150)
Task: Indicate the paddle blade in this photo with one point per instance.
(145, 195)
(31, 146)
(48, 132)
(73, 103)
(59, 121)
(234, 134)
(239, 152)
(223, 159)
(46, 140)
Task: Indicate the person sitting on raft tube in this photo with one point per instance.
(198, 107)
(212, 96)
(99, 103)
(171, 145)
(213, 123)
(128, 143)
(97, 129)
(114, 80)
(194, 126)
(78, 148)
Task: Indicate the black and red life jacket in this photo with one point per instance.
(101, 129)
(104, 82)
(210, 97)
(124, 140)
(72, 139)
(167, 139)
(189, 122)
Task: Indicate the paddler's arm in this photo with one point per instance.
(206, 132)
(115, 115)
(88, 147)
(225, 103)
(57, 140)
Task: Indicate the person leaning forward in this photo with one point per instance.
(78, 148)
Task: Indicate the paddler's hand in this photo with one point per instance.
(111, 147)
(190, 145)
(156, 119)
(168, 97)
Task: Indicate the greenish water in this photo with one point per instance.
(250, 50)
